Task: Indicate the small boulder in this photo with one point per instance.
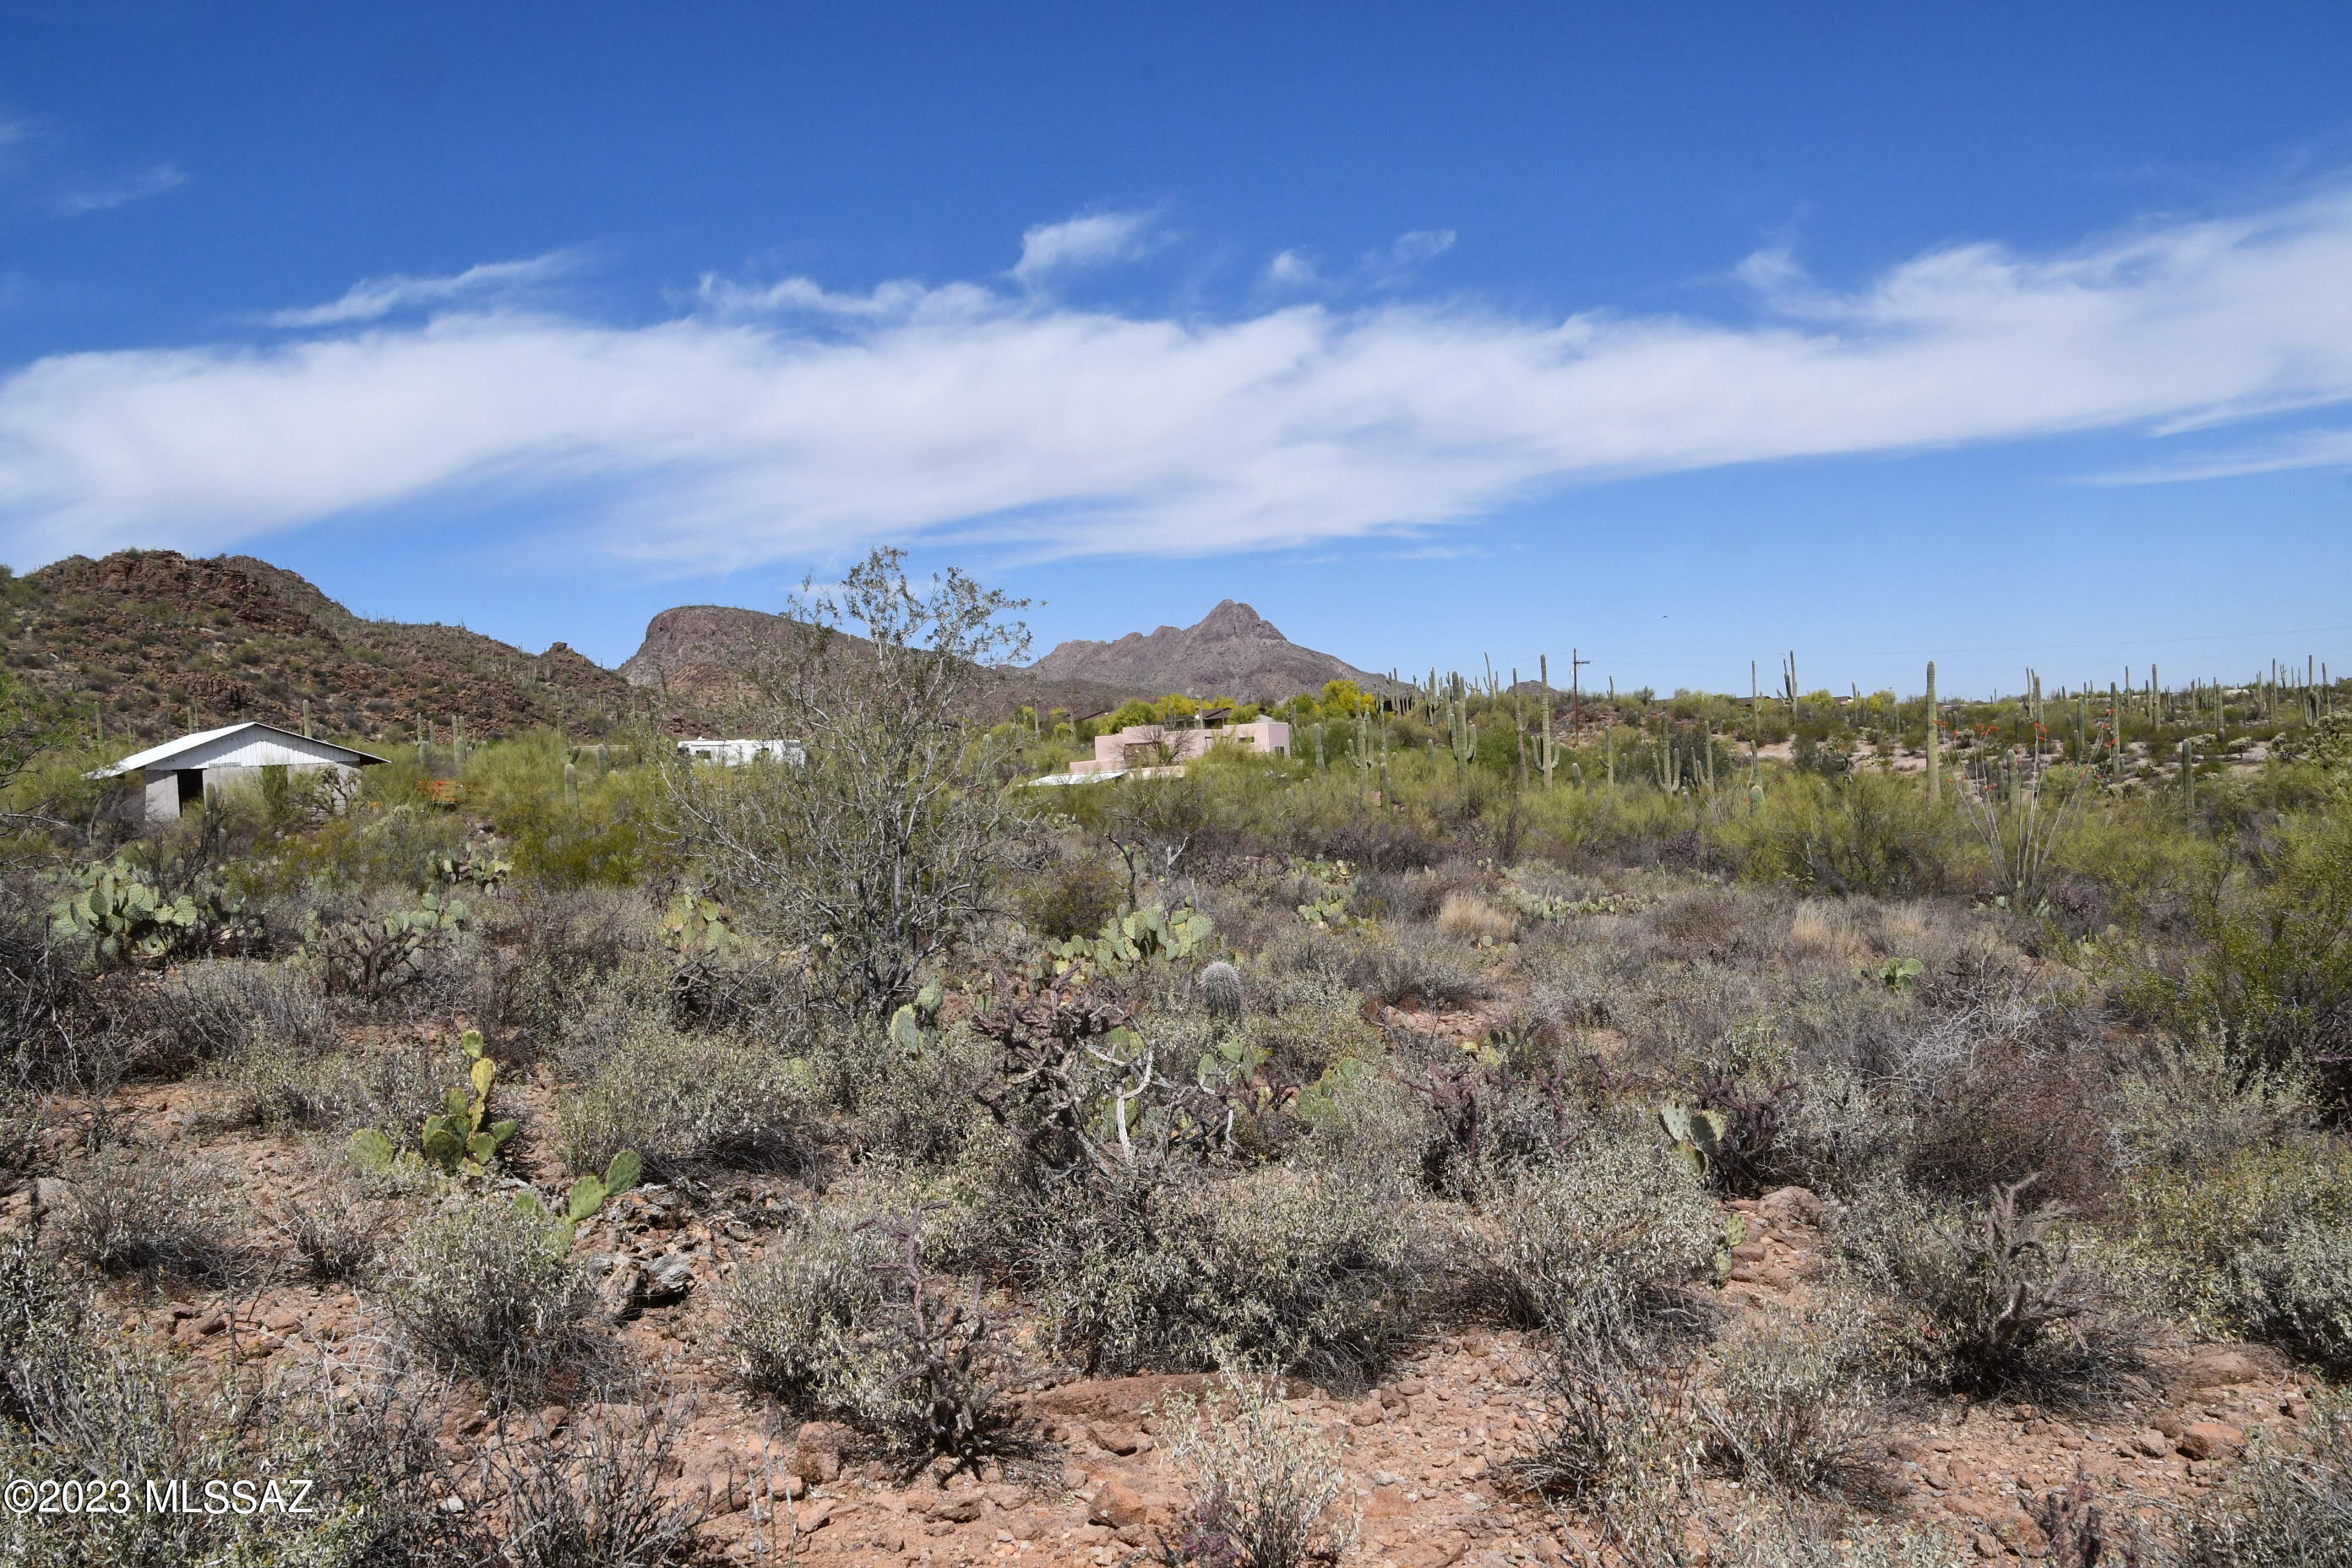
(1790, 1206)
(2210, 1440)
(1117, 1504)
(816, 1451)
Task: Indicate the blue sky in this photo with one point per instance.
(1681, 335)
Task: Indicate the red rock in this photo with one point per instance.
(1117, 1504)
(2210, 1440)
(955, 1508)
(816, 1451)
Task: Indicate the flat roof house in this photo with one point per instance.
(1147, 748)
(180, 772)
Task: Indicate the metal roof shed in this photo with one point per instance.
(181, 772)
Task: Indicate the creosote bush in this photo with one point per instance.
(483, 1287)
(1282, 1268)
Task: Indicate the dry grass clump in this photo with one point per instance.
(1466, 917)
(1267, 1487)
(133, 1210)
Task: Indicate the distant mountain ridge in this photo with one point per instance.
(706, 657)
(1231, 651)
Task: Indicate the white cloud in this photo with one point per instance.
(120, 192)
(372, 298)
(1095, 239)
(793, 422)
(1292, 269)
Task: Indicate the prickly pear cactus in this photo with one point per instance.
(1695, 1135)
(125, 920)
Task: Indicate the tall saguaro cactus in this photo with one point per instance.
(1935, 759)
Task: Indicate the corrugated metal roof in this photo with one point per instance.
(225, 747)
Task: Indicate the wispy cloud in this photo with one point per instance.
(787, 420)
(103, 195)
(1093, 239)
(1391, 266)
(2279, 454)
(372, 298)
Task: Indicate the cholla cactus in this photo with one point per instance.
(1221, 989)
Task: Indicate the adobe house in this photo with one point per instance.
(1154, 745)
(180, 773)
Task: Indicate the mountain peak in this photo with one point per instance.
(1231, 651)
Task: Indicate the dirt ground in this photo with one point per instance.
(1421, 1449)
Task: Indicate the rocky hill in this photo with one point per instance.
(154, 641)
(1233, 651)
(704, 657)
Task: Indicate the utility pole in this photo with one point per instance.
(1576, 663)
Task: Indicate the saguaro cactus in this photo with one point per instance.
(1934, 749)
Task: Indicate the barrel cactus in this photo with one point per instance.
(1221, 989)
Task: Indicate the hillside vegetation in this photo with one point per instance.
(1517, 1127)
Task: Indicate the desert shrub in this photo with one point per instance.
(1266, 1489)
(482, 1285)
(1845, 1132)
(1794, 1407)
(1409, 967)
(1623, 1229)
(218, 1009)
(1989, 1301)
(337, 1229)
(842, 1317)
(923, 1109)
(24, 1119)
(2019, 1107)
(1859, 833)
(1466, 917)
(2274, 981)
(612, 831)
(551, 958)
(2282, 1509)
(592, 1491)
(132, 1211)
(1286, 1268)
(1073, 897)
(390, 1086)
(791, 1315)
(1316, 1026)
(2257, 1242)
(1616, 1441)
(42, 1308)
(1483, 1118)
(80, 1402)
(687, 1102)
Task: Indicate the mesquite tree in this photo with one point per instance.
(873, 854)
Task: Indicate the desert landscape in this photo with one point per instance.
(1501, 1122)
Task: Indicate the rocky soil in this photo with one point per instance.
(1422, 1449)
